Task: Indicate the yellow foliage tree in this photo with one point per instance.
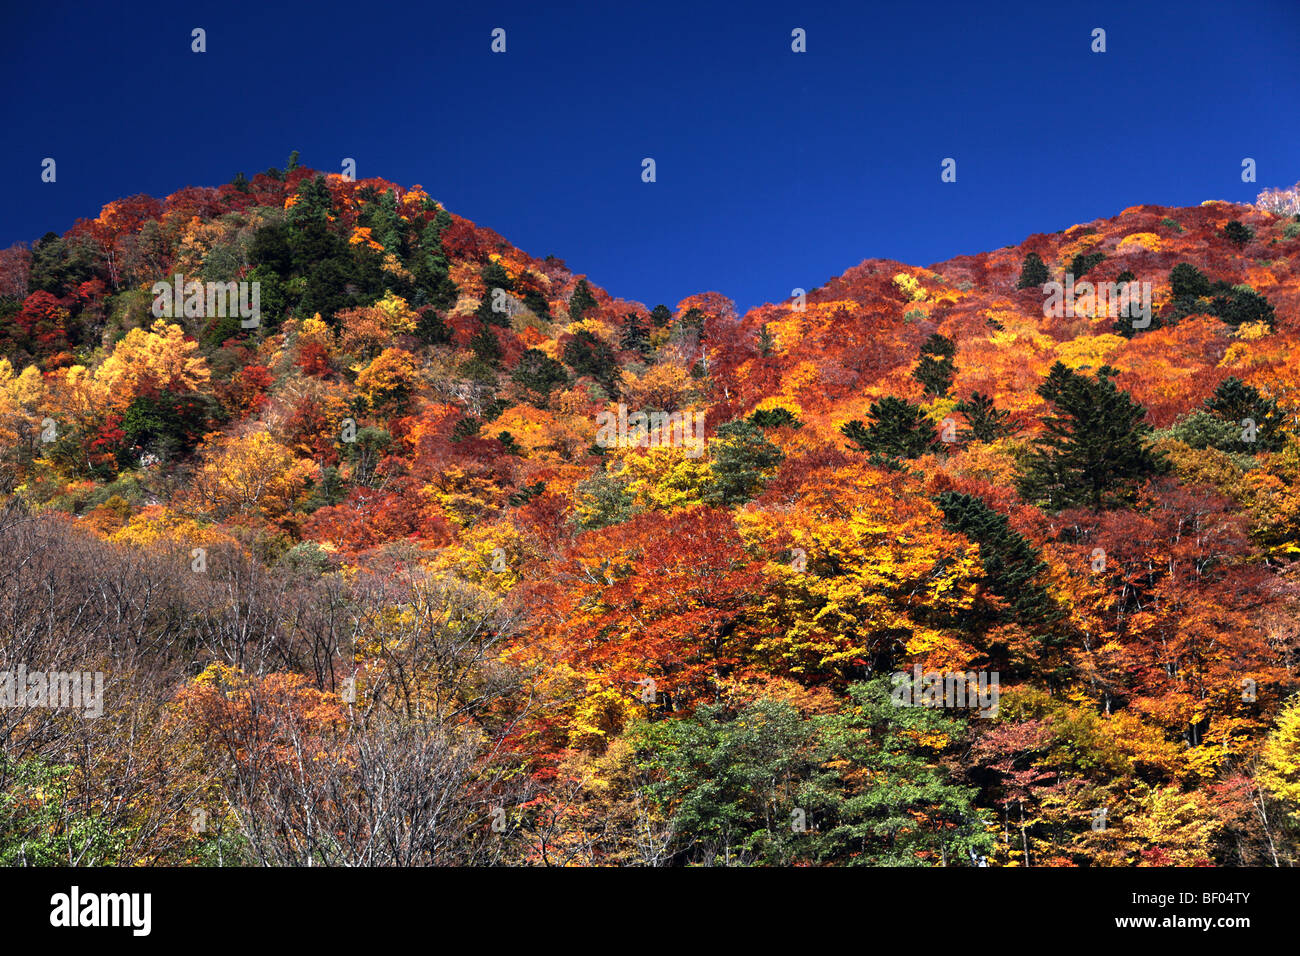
(852, 560)
(157, 526)
(1280, 759)
(665, 478)
(249, 475)
(661, 387)
(162, 356)
(388, 382)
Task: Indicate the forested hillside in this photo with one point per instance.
(441, 553)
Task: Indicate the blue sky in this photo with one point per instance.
(774, 169)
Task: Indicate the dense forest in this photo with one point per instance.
(442, 554)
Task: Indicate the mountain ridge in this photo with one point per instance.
(630, 585)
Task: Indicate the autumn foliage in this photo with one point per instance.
(370, 586)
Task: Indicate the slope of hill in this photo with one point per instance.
(922, 567)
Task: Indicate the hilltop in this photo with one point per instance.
(382, 487)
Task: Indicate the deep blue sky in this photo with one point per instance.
(775, 169)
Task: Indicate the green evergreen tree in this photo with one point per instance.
(897, 429)
(936, 369)
(486, 314)
(1033, 272)
(166, 424)
(761, 784)
(314, 201)
(431, 329)
(486, 346)
(1188, 282)
(1092, 454)
(1013, 568)
(1237, 403)
(1192, 292)
(1083, 263)
(432, 272)
(466, 428)
(389, 228)
(59, 266)
(1123, 324)
(775, 418)
(1238, 233)
(743, 459)
(984, 422)
(883, 793)
(537, 304)
(511, 446)
(582, 301)
(1239, 306)
(495, 277)
(587, 354)
(636, 335)
(1200, 429)
(538, 375)
(727, 781)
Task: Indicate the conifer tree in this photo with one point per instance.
(636, 335)
(588, 355)
(538, 375)
(494, 278)
(1033, 272)
(431, 329)
(314, 201)
(430, 267)
(1083, 263)
(1238, 233)
(743, 459)
(581, 301)
(775, 418)
(537, 304)
(485, 345)
(1092, 454)
(1244, 407)
(1188, 282)
(985, 423)
(897, 429)
(1012, 566)
(935, 371)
